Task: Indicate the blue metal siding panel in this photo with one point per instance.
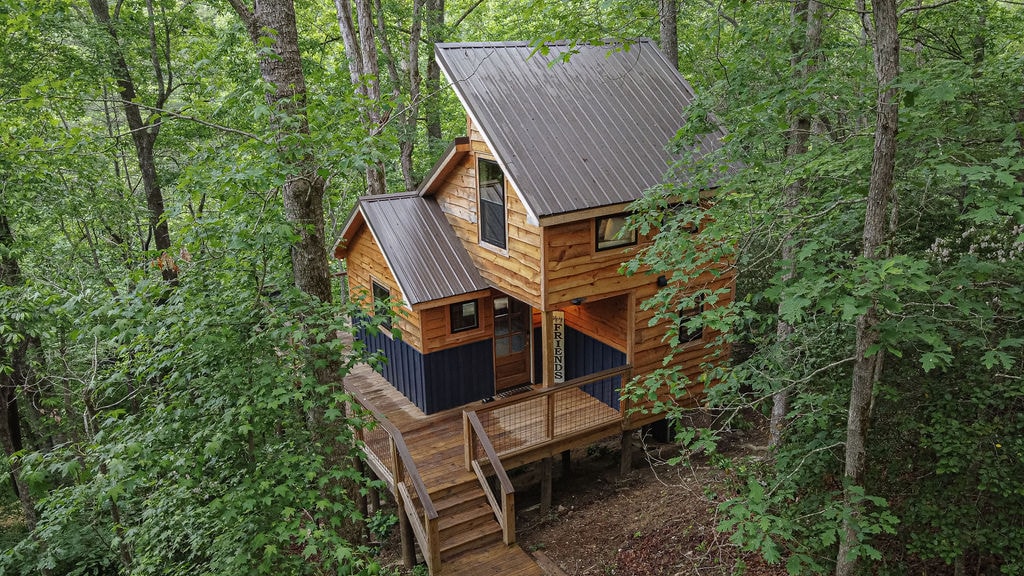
(585, 355)
(404, 365)
(458, 376)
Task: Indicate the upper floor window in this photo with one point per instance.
(382, 303)
(611, 232)
(464, 316)
(491, 184)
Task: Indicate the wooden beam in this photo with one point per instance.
(545, 486)
(626, 462)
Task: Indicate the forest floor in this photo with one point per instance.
(659, 520)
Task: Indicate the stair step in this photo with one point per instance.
(490, 533)
(468, 519)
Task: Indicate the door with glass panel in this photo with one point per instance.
(512, 323)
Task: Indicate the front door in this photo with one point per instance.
(512, 323)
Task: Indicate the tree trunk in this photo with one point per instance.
(803, 62)
(303, 192)
(668, 11)
(143, 133)
(883, 162)
(11, 379)
(361, 52)
(434, 20)
(410, 114)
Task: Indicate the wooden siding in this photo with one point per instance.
(437, 331)
(366, 263)
(516, 270)
(606, 320)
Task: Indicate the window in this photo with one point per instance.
(382, 304)
(688, 316)
(491, 183)
(612, 233)
(465, 316)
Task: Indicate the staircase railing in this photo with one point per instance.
(388, 456)
(505, 512)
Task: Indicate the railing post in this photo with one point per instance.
(469, 446)
(549, 420)
(433, 555)
(508, 510)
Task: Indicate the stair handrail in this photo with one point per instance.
(426, 532)
(506, 511)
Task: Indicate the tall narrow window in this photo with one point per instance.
(382, 304)
(687, 316)
(491, 183)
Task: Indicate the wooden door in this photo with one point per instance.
(512, 322)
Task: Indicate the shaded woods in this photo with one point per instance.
(172, 175)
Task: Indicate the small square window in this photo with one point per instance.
(611, 232)
(382, 303)
(465, 316)
(688, 333)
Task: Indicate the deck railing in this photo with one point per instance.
(530, 420)
(505, 512)
(388, 455)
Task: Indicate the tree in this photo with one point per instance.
(867, 366)
(143, 132)
(804, 47)
(303, 190)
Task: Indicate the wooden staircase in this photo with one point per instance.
(465, 519)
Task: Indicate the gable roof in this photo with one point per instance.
(573, 135)
(419, 245)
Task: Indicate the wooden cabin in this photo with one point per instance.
(503, 267)
(503, 272)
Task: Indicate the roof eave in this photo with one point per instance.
(355, 220)
(444, 166)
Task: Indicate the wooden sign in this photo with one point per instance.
(558, 344)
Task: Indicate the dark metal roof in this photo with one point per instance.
(420, 246)
(573, 135)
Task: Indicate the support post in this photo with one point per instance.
(408, 537)
(626, 462)
(566, 462)
(545, 486)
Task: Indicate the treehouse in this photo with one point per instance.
(503, 267)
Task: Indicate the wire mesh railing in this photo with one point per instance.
(530, 420)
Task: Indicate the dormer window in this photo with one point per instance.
(491, 185)
(611, 232)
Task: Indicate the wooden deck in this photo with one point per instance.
(469, 532)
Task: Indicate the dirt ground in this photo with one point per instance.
(657, 521)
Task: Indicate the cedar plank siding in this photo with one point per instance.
(437, 334)
(573, 268)
(366, 262)
(518, 272)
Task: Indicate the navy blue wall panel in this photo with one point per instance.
(583, 356)
(404, 366)
(458, 376)
(436, 381)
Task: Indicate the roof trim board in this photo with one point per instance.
(384, 253)
(531, 214)
(456, 150)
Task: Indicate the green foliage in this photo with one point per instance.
(946, 291)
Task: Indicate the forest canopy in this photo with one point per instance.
(172, 330)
